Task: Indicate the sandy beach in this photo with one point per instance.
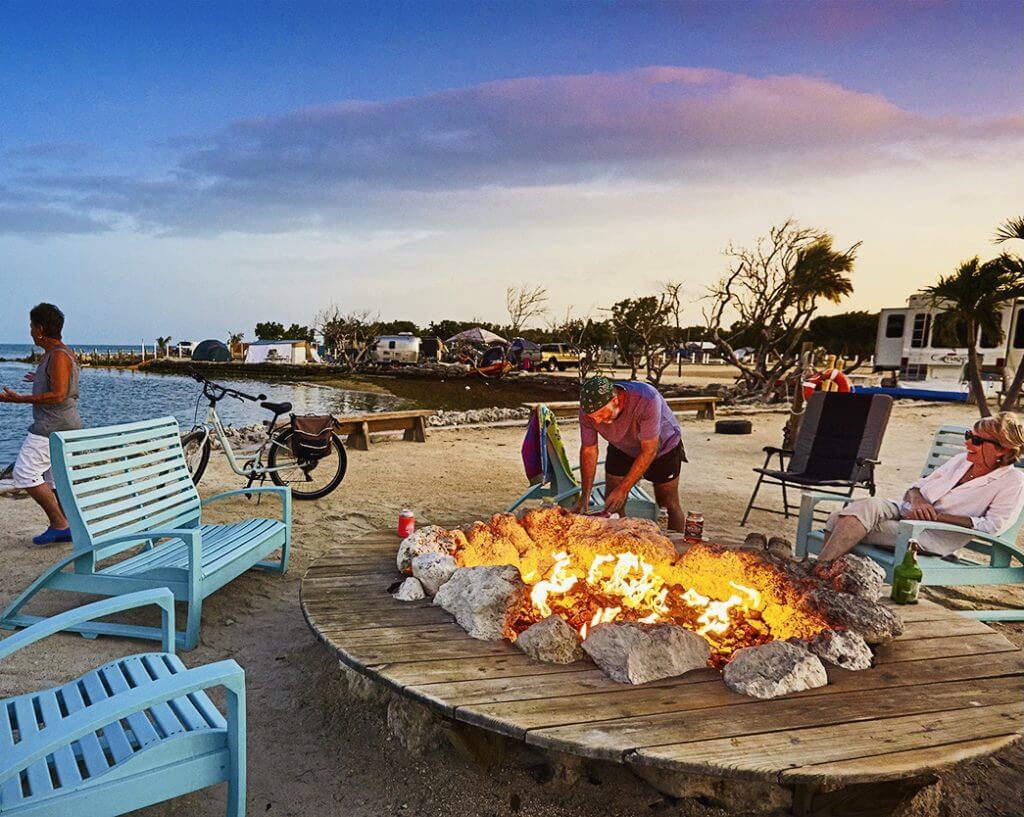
(313, 750)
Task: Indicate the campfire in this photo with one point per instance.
(616, 584)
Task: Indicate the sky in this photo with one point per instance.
(190, 169)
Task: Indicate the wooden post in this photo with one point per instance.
(796, 412)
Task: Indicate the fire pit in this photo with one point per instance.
(947, 690)
(561, 585)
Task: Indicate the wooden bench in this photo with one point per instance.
(945, 691)
(704, 405)
(359, 427)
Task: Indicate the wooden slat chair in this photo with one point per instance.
(561, 486)
(999, 551)
(127, 487)
(131, 733)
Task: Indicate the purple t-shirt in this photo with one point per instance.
(646, 416)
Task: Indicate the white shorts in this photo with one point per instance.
(32, 467)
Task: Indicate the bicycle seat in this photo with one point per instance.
(277, 408)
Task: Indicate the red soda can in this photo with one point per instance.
(406, 522)
(693, 528)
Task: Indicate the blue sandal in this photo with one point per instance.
(51, 536)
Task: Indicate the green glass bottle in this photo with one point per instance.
(906, 578)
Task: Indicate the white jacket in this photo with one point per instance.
(993, 502)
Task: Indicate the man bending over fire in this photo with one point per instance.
(644, 442)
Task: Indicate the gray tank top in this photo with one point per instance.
(62, 416)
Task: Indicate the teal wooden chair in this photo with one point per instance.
(131, 733)
(127, 487)
(558, 483)
(998, 552)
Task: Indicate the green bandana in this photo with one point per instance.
(595, 394)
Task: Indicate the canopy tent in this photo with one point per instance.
(523, 343)
(476, 335)
(281, 351)
(212, 350)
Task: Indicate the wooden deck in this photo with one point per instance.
(949, 689)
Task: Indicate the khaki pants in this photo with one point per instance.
(881, 517)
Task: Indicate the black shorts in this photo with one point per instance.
(664, 469)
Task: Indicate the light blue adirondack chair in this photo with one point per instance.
(560, 485)
(127, 487)
(136, 731)
(999, 551)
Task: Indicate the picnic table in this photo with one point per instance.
(704, 405)
(947, 690)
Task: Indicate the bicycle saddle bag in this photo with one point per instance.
(311, 435)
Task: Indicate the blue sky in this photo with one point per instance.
(191, 168)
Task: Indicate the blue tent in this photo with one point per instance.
(212, 351)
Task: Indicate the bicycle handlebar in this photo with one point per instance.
(221, 391)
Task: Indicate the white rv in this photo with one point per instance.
(921, 343)
(402, 348)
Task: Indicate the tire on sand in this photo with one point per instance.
(733, 427)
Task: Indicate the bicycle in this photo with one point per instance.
(307, 478)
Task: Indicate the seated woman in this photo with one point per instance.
(979, 489)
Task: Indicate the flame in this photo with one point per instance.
(638, 592)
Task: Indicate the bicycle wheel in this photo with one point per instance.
(196, 445)
(308, 479)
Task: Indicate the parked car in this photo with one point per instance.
(559, 356)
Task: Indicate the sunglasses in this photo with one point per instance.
(976, 440)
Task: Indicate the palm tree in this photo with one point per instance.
(974, 294)
(162, 344)
(1010, 229)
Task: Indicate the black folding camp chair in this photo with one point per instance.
(836, 450)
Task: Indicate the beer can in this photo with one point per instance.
(406, 522)
(693, 527)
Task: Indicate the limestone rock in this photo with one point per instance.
(433, 570)
(410, 590)
(484, 600)
(733, 795)
(634, 653)
(869, 619)
(773, 669)
(843, 648)
(429, 539)
(780, 548)
(552, 640)
(856, 575)
(414, 726)
(364, 688)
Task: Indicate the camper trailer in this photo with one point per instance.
(403, 348)
(924, 347)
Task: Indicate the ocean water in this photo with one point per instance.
(122, 395)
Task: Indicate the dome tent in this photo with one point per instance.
(212, 351)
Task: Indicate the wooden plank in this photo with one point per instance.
(926, 648)
(943, 628)
(483, 667)
(641, 701)
(612, 737)
(901, 764)
(374, 619)
(760, 756)
(592, 680)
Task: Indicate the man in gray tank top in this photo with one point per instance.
(54, 401)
